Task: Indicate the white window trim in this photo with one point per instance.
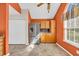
(65, 33)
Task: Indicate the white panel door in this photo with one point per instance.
(18, 33)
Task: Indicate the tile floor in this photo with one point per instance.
(38, 50)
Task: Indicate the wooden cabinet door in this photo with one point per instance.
(53, 26)
(49, 37)
(45, 25)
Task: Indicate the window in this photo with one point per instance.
(71, 28)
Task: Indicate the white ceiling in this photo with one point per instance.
(37, 12)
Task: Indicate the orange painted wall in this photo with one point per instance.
(39, 20)
(4, 24)
(29, 17)
(4, 14)
(60, 31)
(29, 22)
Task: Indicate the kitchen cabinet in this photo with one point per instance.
(1, 44)
(53, 26)
(45, 25)
(49, 37)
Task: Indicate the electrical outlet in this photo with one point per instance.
(77, 51)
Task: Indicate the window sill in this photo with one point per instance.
(71, 43)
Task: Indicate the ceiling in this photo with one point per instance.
(37, 12)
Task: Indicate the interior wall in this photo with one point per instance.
(4, 24)
(39, 20)
(60, 31)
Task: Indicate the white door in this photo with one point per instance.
(18, 32)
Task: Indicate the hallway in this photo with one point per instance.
(38, 50)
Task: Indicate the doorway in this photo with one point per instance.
(18, 24)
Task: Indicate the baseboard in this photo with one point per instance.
(64, 49)
(7, 54)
